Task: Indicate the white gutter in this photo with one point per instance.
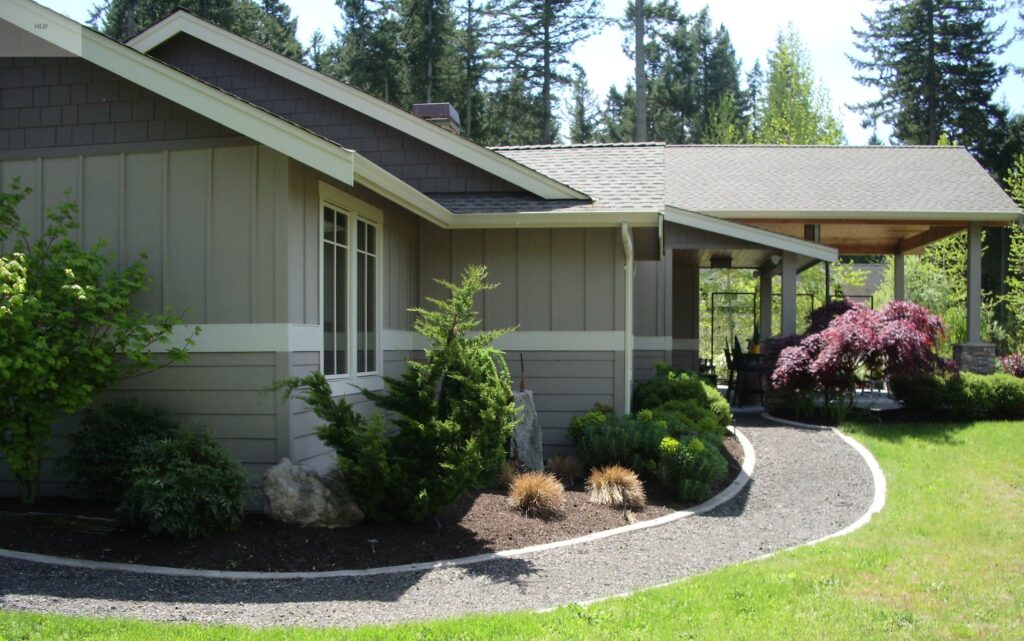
(627, 343)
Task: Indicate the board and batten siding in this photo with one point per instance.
(211, 222)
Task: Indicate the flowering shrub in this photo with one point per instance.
(1013, 364)
(899, 339)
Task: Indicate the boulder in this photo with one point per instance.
(297, 494)
(527, 443)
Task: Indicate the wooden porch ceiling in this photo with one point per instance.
(863, 237)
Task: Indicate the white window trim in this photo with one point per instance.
(350, 382)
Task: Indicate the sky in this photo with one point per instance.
(824, 25)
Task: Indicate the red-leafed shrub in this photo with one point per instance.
(821, 317)
(1013, 364)
(898, 340)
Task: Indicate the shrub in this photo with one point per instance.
(537, 494)
(691, 469)
(507, 475)
(616, 486)
(965, 396)
(597, 415)
(630, 441)
(68, 330)
(566, 469)
(819, 318)
(1013, 364)
(454, 413)
(678, 385)
(184, 486)
(103, 450)
(691, 418)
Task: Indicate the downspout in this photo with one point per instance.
(627, 346)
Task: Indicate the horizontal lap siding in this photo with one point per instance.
(226, 393)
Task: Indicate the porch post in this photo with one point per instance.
(974, 355)
(788, 293)
(974, 283)
(899, 283)
(765, 295)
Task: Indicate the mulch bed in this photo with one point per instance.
(479, 522)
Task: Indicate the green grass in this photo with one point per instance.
(944, 560)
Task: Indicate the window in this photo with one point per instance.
(350, 269)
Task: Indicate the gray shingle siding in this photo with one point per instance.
(48, 103)
(424, 167)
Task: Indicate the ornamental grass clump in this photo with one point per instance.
(537, 494)
(509, 472)
(566, 469)
(616, 486)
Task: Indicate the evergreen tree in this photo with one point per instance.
(1013, 298)
(584, 118)
(474, 52)
(660, 24)
(514, 115)
(794, 110)
(368, 54)
(536, 37)
(617, 118)
(640, 70)
(269, 23)
(428, 32)
(723, 126)
(317, 55)
(933, 63)
(753, 99)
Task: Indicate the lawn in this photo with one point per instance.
(944, 560)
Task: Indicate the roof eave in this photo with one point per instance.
(492, 162)
(1001, 216)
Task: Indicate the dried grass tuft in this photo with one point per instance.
(616, 486)
(567, 469)
(537, 494)
(509, 472)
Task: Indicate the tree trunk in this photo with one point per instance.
(932, 88)
(545, 94)
(639, 29)
(430, 54)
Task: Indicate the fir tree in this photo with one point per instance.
(933, 63)
(617, 119)
(583, 121)
(428, 34)
(473, 52)
(536, 37)
(368, 53)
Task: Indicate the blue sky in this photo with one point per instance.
(753, 24)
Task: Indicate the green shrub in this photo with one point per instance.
(184, 486)
(605, 439)
(454, 412)
(689, 417)
(691, 469)
(103, 450)
(677, 385)
(596, 416)
(962, 397)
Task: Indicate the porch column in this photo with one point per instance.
(685, 310)
(974, 355)
(765, 295)
(898, 282)
(788, 293)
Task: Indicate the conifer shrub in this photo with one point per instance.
(616, 486)
(454, 413)
(669, 385)
(691, 468)
(630, 441)
(537, 494)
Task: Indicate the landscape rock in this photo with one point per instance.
(296, 494)
(527, 441)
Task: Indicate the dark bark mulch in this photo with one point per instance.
(479, 522)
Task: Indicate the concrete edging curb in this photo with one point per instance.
(726, 495)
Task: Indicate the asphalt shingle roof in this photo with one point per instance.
(754, 178)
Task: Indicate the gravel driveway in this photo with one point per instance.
(806, 484)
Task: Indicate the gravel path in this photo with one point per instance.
(806, 484)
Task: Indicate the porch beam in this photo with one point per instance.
(788, 293)
(974, 252)
(911, 243)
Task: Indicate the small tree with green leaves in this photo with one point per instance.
(68, 331)
(454, 412)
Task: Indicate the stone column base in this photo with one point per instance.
(979, 358)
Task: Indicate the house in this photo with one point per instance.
(297, 219)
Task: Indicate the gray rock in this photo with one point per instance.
(297, 494)
(527, 442)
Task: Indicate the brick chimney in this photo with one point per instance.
(442, 114)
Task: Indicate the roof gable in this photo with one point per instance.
(507, 169)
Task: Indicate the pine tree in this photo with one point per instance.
(584, 118)
(794, 110)
(473, 53)
(753, 99)
(514, 115)
(317, 55)
(536, 37)
(722, 127)
(270, 24)
(933, 62)
(617, 120)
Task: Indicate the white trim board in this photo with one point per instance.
(522, 341)
(487, 160)
(195, 95)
